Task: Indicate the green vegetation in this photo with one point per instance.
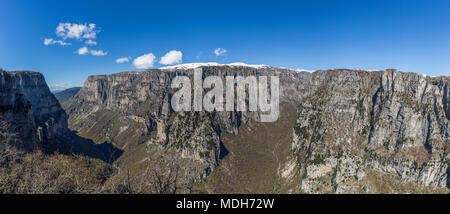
(255, 156)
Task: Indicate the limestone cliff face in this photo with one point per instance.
(17, 127)
(138, 105)
(352, 125)
(353, 122)
(30, 112)
(50, 117)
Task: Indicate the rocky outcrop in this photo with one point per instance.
(138, 105)
(351, 125)
(50, 118)
(354, 121)
(32, 118)
(17, 127)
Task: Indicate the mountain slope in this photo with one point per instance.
(351, 126)
(131, 110)
(64, 95)
(260, 158)
(358, 122)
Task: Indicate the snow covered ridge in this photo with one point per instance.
(237, 64)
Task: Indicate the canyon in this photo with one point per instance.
(338, 131)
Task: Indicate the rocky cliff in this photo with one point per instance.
(32, 118)
(355, 131)
(30, 111)
(133, 108)
(357, 123)
(50, 118)
(17, 127)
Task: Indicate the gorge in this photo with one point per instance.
(338, 131)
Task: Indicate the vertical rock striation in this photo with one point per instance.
(31, 115)
(132, 108)
(356, 121)
(50, 117)
(352, 125)
(17, 127)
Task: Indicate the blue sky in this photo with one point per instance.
(409, 35)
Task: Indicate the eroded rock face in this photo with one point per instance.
(31, 116)
(351, 124)
(140, 103)
(50, 118)
(17, 127)
(390, 121)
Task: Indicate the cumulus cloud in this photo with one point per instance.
(76, 31)
(98, 53)
(91, 42)
(82, 51)
(53, 42)
(86, 33)
(172, 57)
(145, 61)
(219, 51)
(85, 51)
(122, 60)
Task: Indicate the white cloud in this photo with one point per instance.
(80, 32)
(122, 60)
(91, 32)
(145, 61)
(98, 53)
(83, 51)
(91, 42)
(52, 42)
(76, 31)
(219, 51)
(172, 57)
